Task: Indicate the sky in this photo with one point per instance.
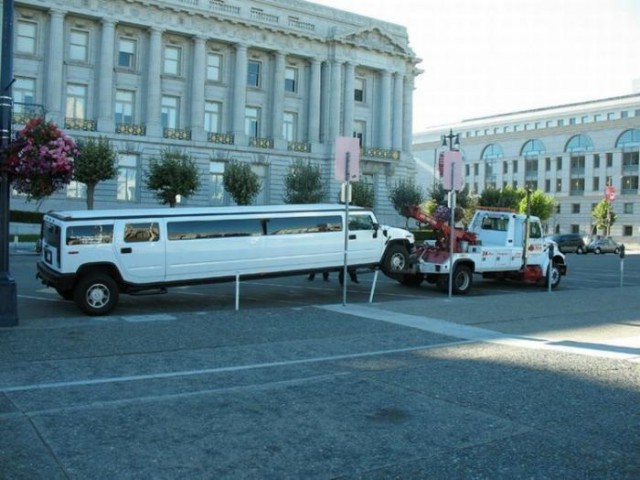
(488, 57)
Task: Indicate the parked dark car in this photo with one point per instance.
(604, 245)
(569, 242)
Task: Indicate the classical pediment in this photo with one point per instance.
(374, 39)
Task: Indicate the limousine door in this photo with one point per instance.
(140, 251)
(364, 239)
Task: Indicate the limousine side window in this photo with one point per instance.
(297, 225)
(89, 234)
(202, 229)
(360, 222)
(141, 232)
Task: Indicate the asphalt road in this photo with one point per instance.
(508, 382)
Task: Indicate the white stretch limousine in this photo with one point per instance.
(92, 256)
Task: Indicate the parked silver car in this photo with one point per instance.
(604, 245)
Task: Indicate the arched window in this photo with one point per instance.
(630, 139)
(533, 148)
(490, 155)
(579, 143)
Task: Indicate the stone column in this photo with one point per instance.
(197, 89)
(277, 112)
(105, 82)
(407, 123)
(385, 111)
(240, 91)
(314, 101)
(154, 96)
(335, 101)
(397, 111)
(349, 79)
(55, 68)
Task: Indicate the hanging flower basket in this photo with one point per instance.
(40, 160)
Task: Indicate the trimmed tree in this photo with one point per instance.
(172, 175)
(303, 183)
(242, 183)
(362, 194)
(95, 162)
(541, 205)
(405, 193)
(604, 216)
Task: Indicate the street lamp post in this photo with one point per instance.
(452, 140)
(8, 291)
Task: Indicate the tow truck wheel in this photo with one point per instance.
(395, 260)
(462, 279)
(554, 277)
(96, 294)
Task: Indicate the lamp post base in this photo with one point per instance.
(8, 302)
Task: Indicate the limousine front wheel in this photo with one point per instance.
(96, 294)
(395, 259)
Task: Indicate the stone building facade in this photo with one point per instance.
(260, 81)
(574, 153)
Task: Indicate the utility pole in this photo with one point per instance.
(8, 290)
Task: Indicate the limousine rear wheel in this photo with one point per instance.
(395, 259)
(96, 294)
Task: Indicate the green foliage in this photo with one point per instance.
(362, 194)
(541, 205)
(174, 174)
(242, 183)
(439, 195)
(508, 197)
(604, 216)
(405, 193)
(95, 162)
(303, 183)
(23, 216)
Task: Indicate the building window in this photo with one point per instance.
(127, 53)
(505, 168)
(216, 175)
(558, 163)
(630, 184)
(596, 184)
(515, 166)
(253, 73)
(575, 228)
(79, 45)
(212, 117)
(169, 112)
(291, 80)
(627, 230)
(466, 169)
(624, 114)
(630, 159)
(76, 106)
(547, 164)
(577, 186)
(289, 123)
(172, 59)
(547, 186)
(124, 106)
(77, 190)
(214, 67)
(359, 129)
(628, 207)
(252, 121)
(26, 37)
(358, 92)
(561, 122)
(596, 161)
(24, 92)
(127, 177)
(559, 185)
(609, 159)
(575, 208)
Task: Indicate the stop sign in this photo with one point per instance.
(610, 193)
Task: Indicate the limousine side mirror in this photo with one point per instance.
(376, 227)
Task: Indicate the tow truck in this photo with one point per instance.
(498, 244)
